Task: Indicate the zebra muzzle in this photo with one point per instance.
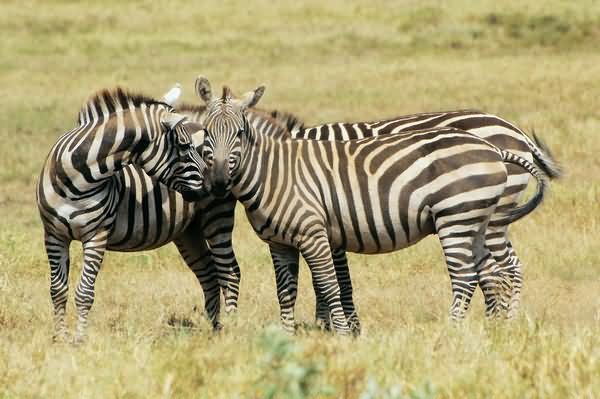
(221, 188)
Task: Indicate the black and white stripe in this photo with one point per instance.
(217, 216)
(88, 183)
(494, 129)
(370, 196)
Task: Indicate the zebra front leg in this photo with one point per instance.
(342, 271)
(195, 253)
(317, 253)
(340, 262)
(286, 277)
(285, 261)
(228, 272)
(93, 255)
(57, 251)
(217, 224)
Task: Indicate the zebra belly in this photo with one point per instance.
(149, 214)
(379, 205)
(381, 236)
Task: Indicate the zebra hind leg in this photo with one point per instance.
(285, 262)
(460, 261)
(57, 251)
(509, 269)
(516, 274)
(195, 253)
(93, 255)
(492, 283)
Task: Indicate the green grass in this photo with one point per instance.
(536, 64)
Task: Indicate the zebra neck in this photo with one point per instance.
(89, 156)
(264, 165)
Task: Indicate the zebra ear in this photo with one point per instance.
(203, 89)
(172, 96)
(171, 119)
(251, 98)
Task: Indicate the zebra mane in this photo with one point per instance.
(187, 107)
(289, 120)
(113, 99)
(226, 93)
(195, 113)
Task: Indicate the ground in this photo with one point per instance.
(535, 64)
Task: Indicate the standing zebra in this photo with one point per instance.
(494, 129)
(80, 189)
(490, 127)
(374, 195)
(215, 217)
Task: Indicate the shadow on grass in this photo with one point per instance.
(184, 324)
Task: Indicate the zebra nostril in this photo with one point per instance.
(220, 188)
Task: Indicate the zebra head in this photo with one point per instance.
(172, 157)
(226, 128)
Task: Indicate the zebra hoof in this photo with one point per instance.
(355, 330)
(231, 309)
(79, 340)
(217, 328)
(61, 337)
(323, 324)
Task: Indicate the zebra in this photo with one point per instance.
(490, 127)
(494, 129)
(91, 170)
(217, 216)
(308, 196)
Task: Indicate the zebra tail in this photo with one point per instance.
(543, 157)
(542, 184)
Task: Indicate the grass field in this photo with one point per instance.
(536, 64)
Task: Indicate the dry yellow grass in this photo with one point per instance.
(534, 64)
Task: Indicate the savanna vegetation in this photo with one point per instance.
(534, 63)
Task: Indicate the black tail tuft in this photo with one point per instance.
(545, 160)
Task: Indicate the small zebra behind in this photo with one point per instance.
(79, 188)
(373, 195)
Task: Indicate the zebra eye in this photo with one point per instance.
(185, 148)
(207, 153)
